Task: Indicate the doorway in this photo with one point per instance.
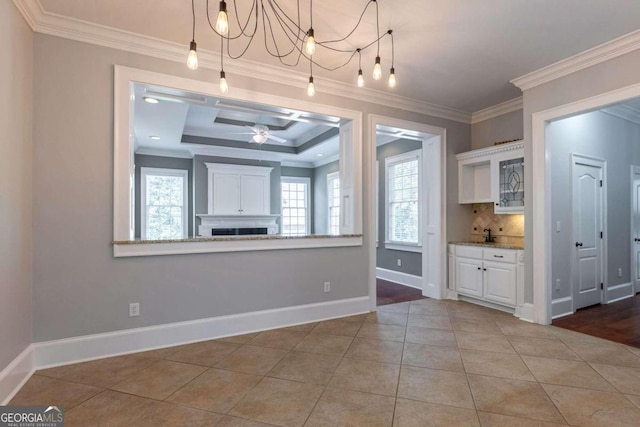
(407, 244)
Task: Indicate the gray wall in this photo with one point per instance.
(79, 288)
(617, 142)
(604, 77)
(142, 160)
(388, 258)
(502, 128)
(289, 171)
(16, 150)
(321, 205)
(201, 187)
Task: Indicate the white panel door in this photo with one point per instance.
(469, 276)
(226, 194)
(500, 282)
(635, 228)
(255, 195)
(587, 272)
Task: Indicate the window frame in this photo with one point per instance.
(389, 162)
(332, 177)
(307, 198)
(144, 212)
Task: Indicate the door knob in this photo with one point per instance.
(578, 244)
(636, 239)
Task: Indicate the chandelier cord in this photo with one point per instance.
(193, 12)
(377, 24)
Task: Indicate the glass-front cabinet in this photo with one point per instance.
(510, 184)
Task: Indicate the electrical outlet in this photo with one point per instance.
(327, 286)
(620, 272)
(399, 262)
(557, 284)
(134, 309)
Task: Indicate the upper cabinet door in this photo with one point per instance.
(255, 195)
(226, 194)
(509, 180)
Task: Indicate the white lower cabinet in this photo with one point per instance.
(488, 274)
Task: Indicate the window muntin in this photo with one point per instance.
(333, 201)
(403, 178)
(295, 206)
(164, 203)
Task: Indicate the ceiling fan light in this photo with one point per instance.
(222, 24)
(192, 59)
(259, 138)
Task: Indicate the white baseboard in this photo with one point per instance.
(16, 374)
(399, 277)
(90, 347)
(619, 292)
(561, 307)
(525, 312)
(487, 304)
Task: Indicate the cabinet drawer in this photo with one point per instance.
(469, 251)
(500, 255)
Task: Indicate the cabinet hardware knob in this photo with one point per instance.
(498, 256)
(578, 244)
(636, 239)
(484, 269)
(479, 268)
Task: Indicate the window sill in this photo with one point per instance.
(403, 247)
(198, 245)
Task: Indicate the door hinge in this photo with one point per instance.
(601, 234)
(601, 286)
(600, 183)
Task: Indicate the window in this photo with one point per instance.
(295, 206)
(164, 203)
(333, 200)
(403, 179)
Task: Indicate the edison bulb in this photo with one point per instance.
(377, 69)
(392, 79)
(311, 88)
(311, 43)
(224, 87)
(222, 24)
(360, 79)
(192, 59)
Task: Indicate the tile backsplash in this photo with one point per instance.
(508, 229)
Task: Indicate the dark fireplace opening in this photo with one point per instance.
(246, 231)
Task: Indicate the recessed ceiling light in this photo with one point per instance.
(150, 100)
(154, 137)
(319, 154)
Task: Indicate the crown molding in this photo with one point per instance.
(497, 110)
(74, 29)
(596, 55)
(623, 112)
(503, 148)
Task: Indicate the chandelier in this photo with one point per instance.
(296, 43)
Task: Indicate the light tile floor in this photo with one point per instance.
(423, 363)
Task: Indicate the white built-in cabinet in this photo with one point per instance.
(238, 189)
(493, 175)
(485, 273)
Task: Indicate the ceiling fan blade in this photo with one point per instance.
(276, 138)
(252, 128)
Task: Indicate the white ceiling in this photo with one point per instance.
(456, 53)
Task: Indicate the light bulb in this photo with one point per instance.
(392, 78)
(192, 59)
(360, 79)
(377, 69)
(222, 24)
(311, 89)
(311, 43)
(224, 87)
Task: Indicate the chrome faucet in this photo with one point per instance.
(489, 238)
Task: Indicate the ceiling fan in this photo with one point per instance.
(261, 134)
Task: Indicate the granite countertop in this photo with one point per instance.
(230, 238)
(489, 245)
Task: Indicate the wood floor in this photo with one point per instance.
(619, 321)
(392, 293)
